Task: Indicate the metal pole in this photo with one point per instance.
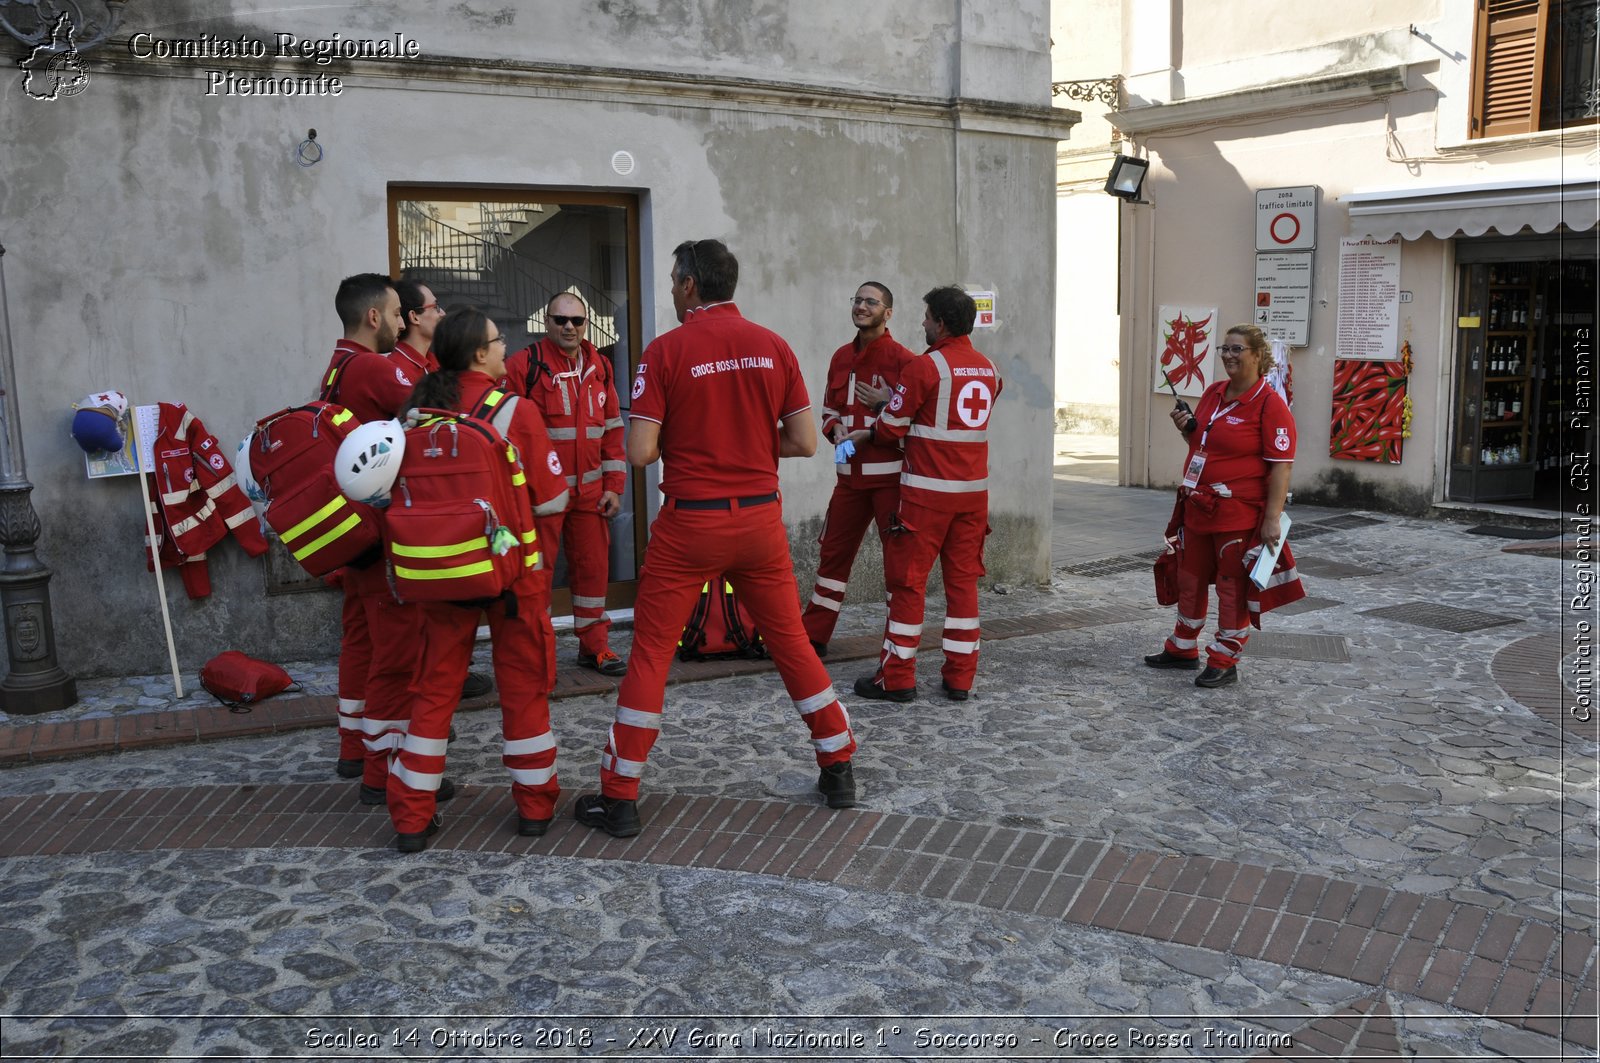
(35, 683)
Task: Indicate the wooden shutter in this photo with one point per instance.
(1508, 66)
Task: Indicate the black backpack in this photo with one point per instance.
(720, 629)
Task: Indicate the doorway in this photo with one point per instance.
(508, 251)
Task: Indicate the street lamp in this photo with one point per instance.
(36, 683)
(1127, 178)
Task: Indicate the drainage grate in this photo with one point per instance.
(1110, 566)
(1441, 617)
(1350, 520)
(1501, 531)
(1308, 604)
(1321, 569)
(1319, 649)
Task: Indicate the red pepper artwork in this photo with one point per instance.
(1188, 345)
(1369, 410)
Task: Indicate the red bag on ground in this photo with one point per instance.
(238, 680)
(719, 629)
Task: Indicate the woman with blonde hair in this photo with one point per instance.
(1241, 440)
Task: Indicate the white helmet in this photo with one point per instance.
(244, 477)
(369, 460)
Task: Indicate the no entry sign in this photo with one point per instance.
(1286, 219)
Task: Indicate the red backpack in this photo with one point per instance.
(719, 629)
(291, 460)
(459, 526)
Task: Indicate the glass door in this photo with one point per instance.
(508, 251)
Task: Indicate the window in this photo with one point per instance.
(1534, 66)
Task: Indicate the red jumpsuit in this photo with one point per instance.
(1222, 516)
(868, 486)
(416, 366)
(579, 403)
(941, 412)
(718, 386)
(374, 688)
(523, 648)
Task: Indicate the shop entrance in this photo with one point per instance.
(1524, 364)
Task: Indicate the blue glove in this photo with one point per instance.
(843, 452)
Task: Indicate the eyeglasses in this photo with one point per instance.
(1232, 348)
(495, 339)
(859, 301)
(563, 319)
(430, 306)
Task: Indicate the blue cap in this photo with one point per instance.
(95, 430)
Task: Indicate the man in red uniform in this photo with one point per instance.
(719, 401)
(421, 312)
(374, 688)
(862, 373)
(571, 383)
(940, 413)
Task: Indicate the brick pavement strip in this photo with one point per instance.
(1518, 969)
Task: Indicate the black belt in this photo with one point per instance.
(724, 503)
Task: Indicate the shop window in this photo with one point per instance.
(1535, 66)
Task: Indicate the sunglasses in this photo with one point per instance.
(563, 319)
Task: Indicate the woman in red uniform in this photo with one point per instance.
(1236, 478)
(472, 355)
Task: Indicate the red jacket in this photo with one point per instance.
(195, 499)
(940, 413)
(366, 383)
(578, 400)
(875, 464)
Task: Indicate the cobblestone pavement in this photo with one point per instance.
(1369, 847)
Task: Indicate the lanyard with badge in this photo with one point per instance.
(1197, 461)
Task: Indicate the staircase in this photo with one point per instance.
(479, 268)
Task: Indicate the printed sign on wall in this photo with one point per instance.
(1185, 352)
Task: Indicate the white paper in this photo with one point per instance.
(148, 419)
(1261, 571)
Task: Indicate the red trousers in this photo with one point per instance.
(850, 510)
(520, 646)
(688, 547)
(1212, 557)
(920, 537)
(586, 536)
(375, 686)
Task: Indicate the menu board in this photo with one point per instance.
(1369, 299)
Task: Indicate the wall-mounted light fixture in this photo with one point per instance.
(1127, 178)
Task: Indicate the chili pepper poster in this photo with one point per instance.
(1185, 352)
(1371, 410)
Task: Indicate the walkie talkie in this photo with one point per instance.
(1181, 405)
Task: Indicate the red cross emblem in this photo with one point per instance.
(973, 404)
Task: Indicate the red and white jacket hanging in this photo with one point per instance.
(195, 500)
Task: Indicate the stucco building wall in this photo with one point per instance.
(166, 243)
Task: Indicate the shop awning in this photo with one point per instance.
(1472, 210)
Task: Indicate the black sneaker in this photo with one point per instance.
(415, 843)
(1164, 659)
(532, 828)
(1217, 677)
(351, 769)
(954, 693)
(614, 815)
(821, 648)
(378, 795)
(866, 687)
(605, 662)
(837, 784)
(476, 685)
